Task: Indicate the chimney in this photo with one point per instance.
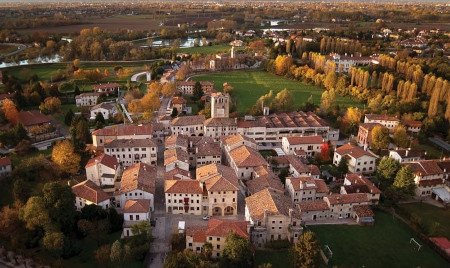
(407, 151)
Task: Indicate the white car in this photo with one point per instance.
(205, 218)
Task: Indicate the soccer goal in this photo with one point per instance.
(328, 251)
(415, 243)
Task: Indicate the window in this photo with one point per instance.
(131, 217)
(218, 238)
(137, 217)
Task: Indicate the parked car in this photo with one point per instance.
(206, 217)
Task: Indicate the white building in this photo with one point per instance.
(135, 211)
(220, 105)
(102, 170)
(308, 144)
(132, 151)
(219, 127)
(358, 160)
(5, 166)
(138, 182)
(176, 158)
(107, 109)
(88, 193)
(357, 183)
(183, 196)
(344, 62)
(122, 131)
(407, 155)
(306, 189)
(243, 160)
(388, 121)
(87, 99)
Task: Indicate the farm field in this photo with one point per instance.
(381, 245)
(250, 85)
(429, 216)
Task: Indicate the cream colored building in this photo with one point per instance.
(357, 183)
(219, 127)
(122, 131)
(389, 122)
(102, 170)
(132, 151)
(243, 160)
(306, 189)
(191, 125)
(183, 196)
(271, 216)
(87, 99)
(135, 211)
(220, 105)
(308, 144)
(176, 158)
(359, 160)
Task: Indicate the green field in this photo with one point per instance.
(429, 216)
(250, 85)
(278, 258)
(207, 49)
(386, 244)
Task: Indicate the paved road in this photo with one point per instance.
(135, 77)
(440, 142)
(20, 47)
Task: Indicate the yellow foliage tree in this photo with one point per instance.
(65, 157)
(10, 111)
(168, 89)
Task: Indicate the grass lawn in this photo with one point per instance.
(429, 215)
(250, 85)
(386, 244)
(278, 258)
(208, 49)
(267, 153)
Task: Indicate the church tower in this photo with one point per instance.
(220, 105)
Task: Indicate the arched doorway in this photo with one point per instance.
(217, 211)
(229, 211)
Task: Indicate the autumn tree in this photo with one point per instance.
(10, 111)
(64, 156)
(401, 137)
(307, 251)
(351, 119)
(380, 138)
(155, 88)
(237, 251)
(327, 100)
(168, 89)
(283, 101)
(282, 64)
(50, 105)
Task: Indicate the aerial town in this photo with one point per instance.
(224, 134)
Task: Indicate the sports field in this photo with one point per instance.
(250, 85)
(385, 244)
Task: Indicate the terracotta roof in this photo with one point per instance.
(220, 122)
(269, 201)
(317, 205)
(262, 182)
(4, 96)
(244, 156)
(412, 123)
(188, 120)
(369, 126)
(130, 143)
(104, 159)
(177, 141)
(178, 100)
(431, 183)
(425, 167)
(182, 186)
(176, 154)
(221, 228)
(31, 118)
(124, 130)
(139, 176)
(382, 117)
(285, 120)
(137, 206)
(444, 165)
(297, 140)
(217, 177)
(298, 165)
(176, 174)
(353, 151)
(358, 179)
(236, 139)
(90, 191)
(306, 183)
(5, 161)
(88, 94)
(208, 149)
(335, 199)
(363, 211)
(198, 233)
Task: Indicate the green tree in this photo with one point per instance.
(386, 171)
(237, 251)
(380, 138)
(174, 112)
(343, 166)
(59, 201)
(198, 91)
(404, 184)
(99, 120)
(401, 137)
(307, 251)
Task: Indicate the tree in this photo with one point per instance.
(116, 254)
(328, 99)
(10, 111)
(168, 89)
(102, 255)
(404, 184)
(10, 224)
(69, 117)
(282, 64)
(53, 240)
(386, 171)
(237, 251)
(330, 80)
(400, 136)
(325, 152)
(351, 119)
(283, 101)
(380, 138)
(59, 201)
(307, 251)
(343, 166)
(99, 120)
(64, 156)
(198, 91)
(174, 112)
(50, 105)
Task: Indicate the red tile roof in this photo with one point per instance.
(90, 191)
(358, 179)
(137, 206)
(317, 205)
(31, 118)
(425, 167)
(106, 86)
(363, 211)
(353, 151)
(5, 161)
(270, 202)
(335, 199)
(124, 130)
(139, 176)
(186, 186)
(244, 156)
(296, 140)
(104, 159)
